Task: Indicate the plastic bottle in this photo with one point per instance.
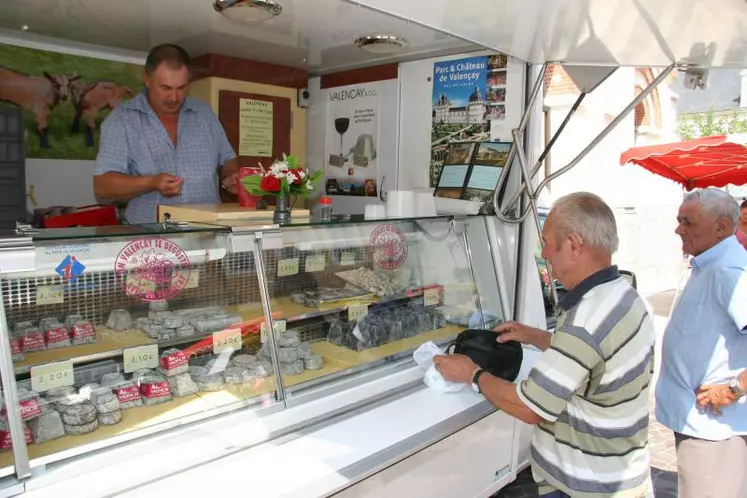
(325, 209)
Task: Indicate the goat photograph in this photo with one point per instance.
(64, 97)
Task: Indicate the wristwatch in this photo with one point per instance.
(736, 389)
(476, 379)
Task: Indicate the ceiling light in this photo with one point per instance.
(25, 27)
(381, 44)
(248, 11)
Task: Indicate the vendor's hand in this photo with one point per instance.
(515, 331)
(231, 183)
(714, 397)
(167, 184)
(456, 367)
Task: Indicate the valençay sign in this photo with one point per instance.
(351, 93)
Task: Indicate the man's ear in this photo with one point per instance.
(724, 227)
(576, 243)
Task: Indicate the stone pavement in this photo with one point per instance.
(661, 440)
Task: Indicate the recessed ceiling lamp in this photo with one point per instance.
(248, 11)
(381, 44)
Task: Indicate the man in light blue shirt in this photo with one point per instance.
(163, 147)
(704, 353)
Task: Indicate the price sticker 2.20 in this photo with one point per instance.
(52, 375)
(140, 358)
(50, 294)
(347, 258)
(432, 297)
(226, 340)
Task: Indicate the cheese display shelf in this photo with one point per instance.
(114, 335)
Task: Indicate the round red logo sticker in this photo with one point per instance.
(152, 269)
(389, 246)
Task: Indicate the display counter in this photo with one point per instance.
(112, 335)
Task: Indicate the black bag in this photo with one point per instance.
(502, 359)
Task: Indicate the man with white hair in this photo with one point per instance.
(700, 392)
(587, 394)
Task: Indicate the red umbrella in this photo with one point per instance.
(698, 163)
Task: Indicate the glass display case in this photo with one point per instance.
(115, 333)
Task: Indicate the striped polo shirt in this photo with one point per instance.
(591, 390)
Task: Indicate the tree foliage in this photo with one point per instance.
(711, 123)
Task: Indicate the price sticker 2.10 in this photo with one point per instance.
(52, 375)
(226, 340)
(141, 357)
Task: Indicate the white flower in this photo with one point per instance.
(278, 167)
(308, 185)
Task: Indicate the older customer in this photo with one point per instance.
(742, 229)
(705, 350)
(587, 394)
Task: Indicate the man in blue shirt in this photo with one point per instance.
(700, 392)
(163, 147)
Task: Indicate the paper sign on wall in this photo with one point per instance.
(255, 128)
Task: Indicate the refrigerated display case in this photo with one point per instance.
(114, 335)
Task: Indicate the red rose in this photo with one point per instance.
(297, 175)
(269, 184)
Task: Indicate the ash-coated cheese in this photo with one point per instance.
(304, 350)
(107, 404)
(293, 368)
(197, 371)
(244, 360)
(260, 370)
(86, 390)
(185, 331)
(68, 403)
(112, 379)
(237, 376)
(128, 395)
(289, 339)
(173, 362)
(161, 305)
(46, 427)
(59, 392)
(100, 393)
(210, 383)
(79, 415)
(183, 385)
(313, 362)
(110, 418)
(119, 320)
(77, 430)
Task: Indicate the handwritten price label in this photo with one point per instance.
(278, 325)
(432, 297)
(226, 340)
(52, 375)
(140, 357)
(315, 263)
(287, 267)
(356, 313)
(50, 294)
(347, 259)
(192, 276)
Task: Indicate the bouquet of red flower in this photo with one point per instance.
(283, 178)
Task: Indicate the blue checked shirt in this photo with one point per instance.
(135, 142)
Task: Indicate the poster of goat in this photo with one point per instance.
(65, 98)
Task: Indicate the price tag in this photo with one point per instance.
(347, 258)
(192, 276)
(432, 297)
(315, 263)
(50, 294)
(51, 375)
(287, 267)
(140, 357)
(279, 326)
(226, 340)
(356, 313)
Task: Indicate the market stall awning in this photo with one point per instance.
(698, 163)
